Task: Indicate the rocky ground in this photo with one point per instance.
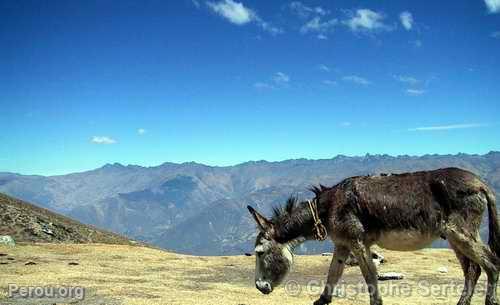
(28, 223)
(123, 274)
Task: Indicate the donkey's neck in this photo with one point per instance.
(296, 227)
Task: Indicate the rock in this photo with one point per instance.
(443, 270)
(390, 276)
(3, 254)
(73, 264)
(378, 256)
(248, 254)
(327, 254)
(47, 230)
(378, 259)
(30, 263)
(7, 240)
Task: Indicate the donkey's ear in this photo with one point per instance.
(265, 226)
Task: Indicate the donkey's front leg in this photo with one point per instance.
(334, 274)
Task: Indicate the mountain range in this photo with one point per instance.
(199, 209)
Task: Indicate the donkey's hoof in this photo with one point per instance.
(491, 302)
(323, 301)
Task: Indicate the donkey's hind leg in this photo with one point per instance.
(472, 271)
(470, 245)
(369, 270)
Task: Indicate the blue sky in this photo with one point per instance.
(84, 83)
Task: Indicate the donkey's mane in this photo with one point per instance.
(283, 212)
(318, 190)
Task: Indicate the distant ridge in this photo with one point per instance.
(28, 223)
(339, 157)
(200, 209)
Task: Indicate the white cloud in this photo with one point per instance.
(196, 3)
(305, 11)
(141, 131)
(366, 20)
(102, 140)
(357, 80)
(278, 80)
(316, 25)
(416, 43)
(406, 19)
(495, 35)
(323, 67)
(406, 79)
(345, 124)
(415, 92)
(233, 11)
(493, 6)
(237, 13)
(281, 78)
(329, 82)
(448, 127)
(268, 27)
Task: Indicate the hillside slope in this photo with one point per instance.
(28, 223)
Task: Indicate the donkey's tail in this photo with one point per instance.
(493, 227)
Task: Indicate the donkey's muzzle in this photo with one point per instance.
(264, 287)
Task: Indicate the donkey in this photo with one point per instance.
(401, 212)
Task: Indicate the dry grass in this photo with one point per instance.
(119, 274)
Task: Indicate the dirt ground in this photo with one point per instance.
(121, 274)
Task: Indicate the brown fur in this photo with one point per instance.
(400, 212)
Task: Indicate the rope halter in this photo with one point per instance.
(320, 232)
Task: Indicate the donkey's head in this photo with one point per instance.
(273, 260)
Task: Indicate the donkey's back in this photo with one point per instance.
(408, 211)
